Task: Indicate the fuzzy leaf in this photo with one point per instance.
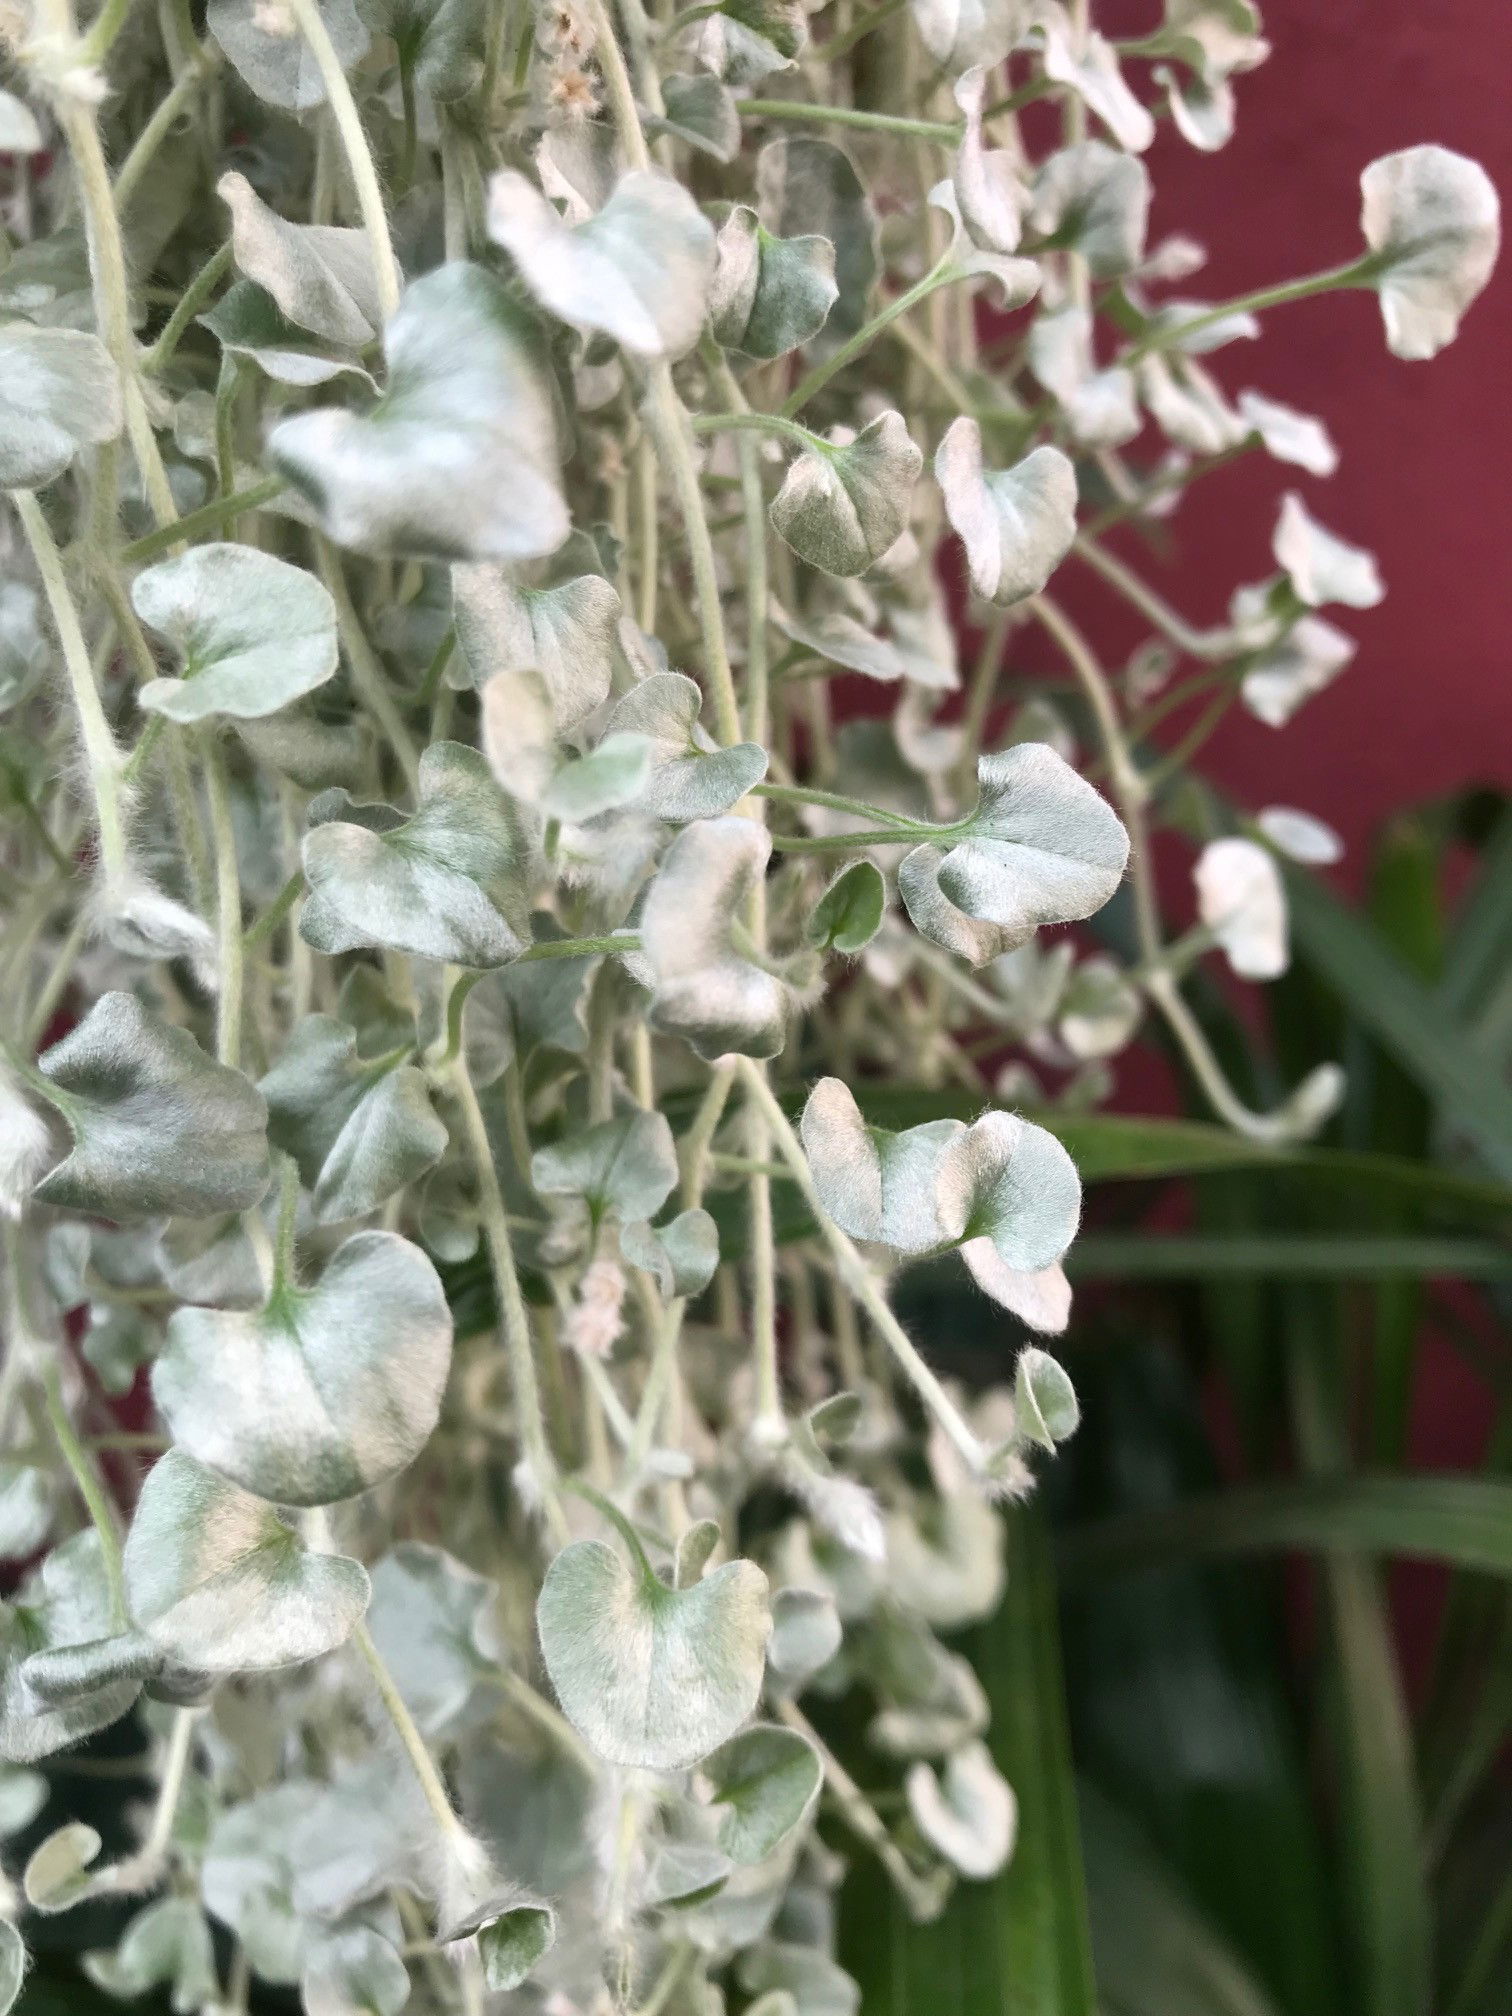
(166, 1946)
(638, 271)
(1089, 67)
(1017, 524)
(429, 1619)
(1288, 435)
(159, 1128)
(1096, 201)
(801, 1979)
(1100, 407)
(1241, 900)
(1300, 836)
(1309, 657)
(1433, 218)
(1044, 1399)
(849, 914)
(321, 276)
(1001, 1179)
(691, 776)
(705, 989)
(651, 1677)
(252, 632)
(353, 1971)
(1320, 566)
(682, 1255)
(65, 1603)
(767, 1780)
(449, 882)
(221, 1585)
(248, 322)
(565, 632)
(746, 40)
(969, 1816)
(59, 393)
(323, 1392)
(769, 295)
(57, 1872)
(264, 46)
(512, 1943)
(12, 1965)
(440, 42)
(807, 187)
(990, 197)
(458, 460)
(702, 111)
(627, 1166)
(806, 1633)
(842, 506)
(962, 33)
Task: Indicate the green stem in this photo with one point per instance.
(673, 446)
(834, 801)
(1359, 272)
(846, 115)
(359, 155)
(264, 926)
(368, 677)
(155, 132)
(193, 298)
(228, 1010)
(91, 1490)
(580, 948)
(436, 1795)
(760, 423)
(940, 275)
(208, 518)
(1210, 645)
(108, 23)
(845, 843)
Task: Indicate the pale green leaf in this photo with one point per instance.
(849, 914)
(806, 187)
(440, 43)
(816, 1986)
(320, 276)
(765, 1782)
(681, 1256)
(1433, 220)
(1044, 1399)
(566, 632)
(1094, 200)
(353, 1971)
(806, 1633)
(1017, 524)
(429, 1618)
(63, 1604)
(57, 1872)
(59, 394)
(769, 295)
(12, 1965)
(247, 322)
(702, 112)
(166, 1946)
(705, 988)
(844, 503)
(968, 1813)
(691, 776)
(19, 131)
(263, 44)
(989, 193)
(628, 1166)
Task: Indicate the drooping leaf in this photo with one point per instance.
(962, 33)
(706, 989)
(324, 1391)
(57, 1871)
(59, 393)
(263, 45)
(691, 776)
(450, 882)
(990, 196)
(320, 276)
(166, 1946)
(628, 1166)
(807, 187)
(681, 1255)
(651, 1677)
(769, 295)
(849, 914)
(513, 1942)
(1307, 659)
(1017, 524)
(353, 1971)
(458, 460)
(1100, 406)
(1096, 201)
(844, 503)
(968, 1814)
(806, 1634)
(1433, 220)
(802, 1979)
(248, 322)
(252, 633)
(767, 1781)
(158, 1127)
(1288, 435)
(1088, 65)
(702, 111)
(566, 632)
(220, 1584)
(638, 270)
(429, 1619)
(65, 1603)
(1320, 566)
(1241, 900)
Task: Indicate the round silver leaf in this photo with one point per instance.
(253, 633)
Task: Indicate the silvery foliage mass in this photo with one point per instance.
(493, 814)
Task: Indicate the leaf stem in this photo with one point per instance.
(858, 1813)
(943, 134)
(760, 423)
(193, 298)
(1355, 273)
(1210, 645)
(228, 912)
(90, 1488)
(939, 275)
(367, 674)
(208, 518)
(431, 1784)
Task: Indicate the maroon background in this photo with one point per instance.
(1427, 703)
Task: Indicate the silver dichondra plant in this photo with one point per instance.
(493, 815)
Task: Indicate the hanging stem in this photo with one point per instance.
(91, 1490)
(228, 1015)
(940, 275)
(431, 1784)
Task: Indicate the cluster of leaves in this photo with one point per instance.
(413, 978)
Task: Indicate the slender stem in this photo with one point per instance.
(845, 115)
(191, 301)
(264, 926)
(228, 1016)
(1208, 644)
(367, 674)
(359, 155)
(843, 843)
(669, 428)
(108, 23)
(436, 1795)
(760, 423)
(694, 1150)
(580, 948)
(1161, 336)
(873, 18)
(102, 757)
(856, 1810)
(91, 1490)
(834, 801)
(155, 132)
(208, 518)
(940, 275)
(519, 1691)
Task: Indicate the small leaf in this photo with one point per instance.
(849, 914)
(691, 776)
(565, 632)
(1100, 407)
(1201, 110)
(321, 276)
(440, 42)
(1088, 65)
(166, 1946)
(806, 187)
(458, 460)
(683, 1875)
(1300, 836)
(809, 1980)
(12, 1965)
(263, 45)
(1320, 566)
(323, 1392)
(701, 111)
(694, 1550)
(1094, 200)
(806, 1634)
(450, 882)
(767, 1780)
(1042, 847)
(247, 322)
(353, 1971)
(253, 633)
(628, 1166)
(1433, 219)
(990, 198)
(746, 40)
(1309, 657)
(1017, 524)
(64, 1604)
(681, 1256)
(652, 1677)
(769, 295)
(971, 1818)
(611, 776)
(429, 1618)
(221, 1585)
(1241, 900)
(843, 504)
(159, 1128)
(59, 393)
(57, 1872)
(705, 989)
(513, 1943)
(1044, 1400)
(1288, 435)
(962, 33)
(637, 271)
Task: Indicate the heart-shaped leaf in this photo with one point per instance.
(1042, 847)
(359, 1128)
(429, 1619)
(843, 504)
(1100, 406)
(705, 988)
(767, 1781)
(321, 276)
(651, 1677)
(1309, 657)
(769, 295)
(746, 40)
(990, 197)
(702, 111)
(565, 632)
(1044, 1400)
(1288, 435)
(681, 1256)
(220, 1584)
(252, 632)
(513, 1942)
(1017, 524)
(159, 1129)
(440, 43)
(1241, 900)
(263, 45)
(458, 460)
(691, 777)
(807, 187)
(450, 882)
(969, 1815)
(1095, 200)
(59, 393)
(64, 1604)
(637, 271)
(353, 1971)
(57, 1871)
(1433, 220)
(1087, 63)
(166, 1946)
(627, 1166)
(806, 1634)
(324, 1391)
(248, 322)
(849, 914)
(1320, 566)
